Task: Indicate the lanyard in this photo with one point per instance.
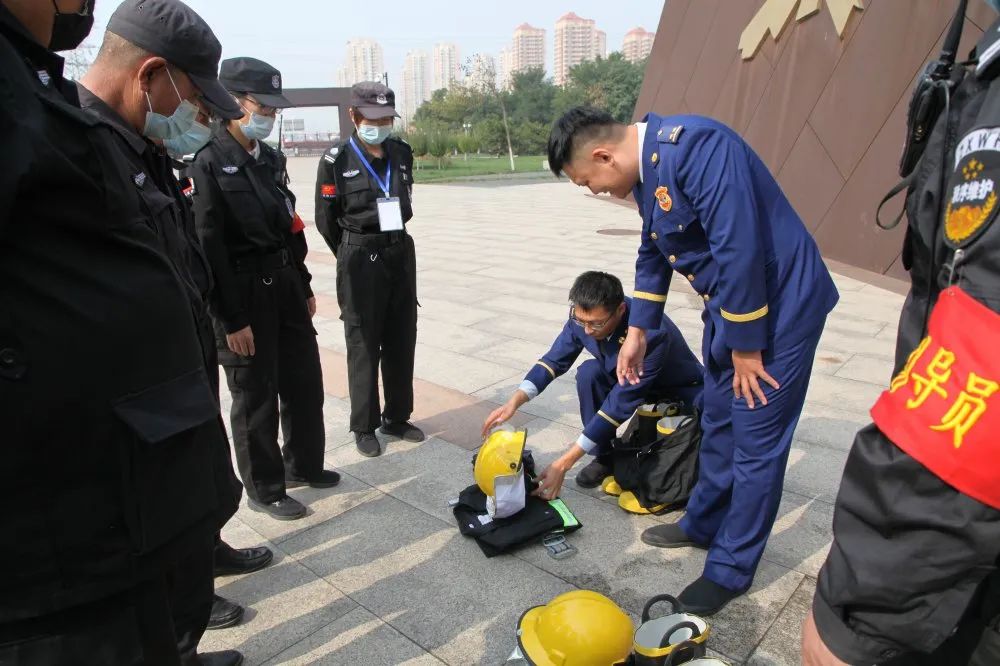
(388, 168)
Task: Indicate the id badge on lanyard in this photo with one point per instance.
(390, 215)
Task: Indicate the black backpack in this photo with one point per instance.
(661, 471)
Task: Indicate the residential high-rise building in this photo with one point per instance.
(416, 84)
(601, 50)
(482, 72)
(344, 77)
(363, 62)
(528, 48)
(445, 67)
(505, 68)
(577, 39)
(638, 44)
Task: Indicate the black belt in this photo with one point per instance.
(379, 240)
(259, 263)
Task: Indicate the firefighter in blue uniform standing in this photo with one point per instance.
(597, 323)
(713, 212)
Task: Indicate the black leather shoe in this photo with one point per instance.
(224, 613)
(704, 597)
(596, 471)
(327, 478)
(669, 535)
(231, 561)
(223, 658)
(405, 431)
(368, 445)
(285, 508)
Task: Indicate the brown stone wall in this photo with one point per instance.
(826, 113)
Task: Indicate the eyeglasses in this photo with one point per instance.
(264, 109)
(592, 325)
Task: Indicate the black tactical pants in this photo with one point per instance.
(377, 292)
(285, 365)
(159, 622)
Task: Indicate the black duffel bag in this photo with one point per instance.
(663, 471)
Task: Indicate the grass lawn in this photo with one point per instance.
(427, 170)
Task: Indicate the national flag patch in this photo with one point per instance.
(297, 224)
(328, 190)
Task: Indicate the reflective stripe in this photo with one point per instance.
(608, 418)
(551, 371)
(647, 296)
(742, 318)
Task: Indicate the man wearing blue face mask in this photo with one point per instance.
(263, 306)
(363, 193)
(103, 384)
(153, 83)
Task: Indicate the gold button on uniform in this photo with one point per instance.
(706, 297)
(654, 158)
(690, 278)
(680, 227)
(672, 259)
(654, 235)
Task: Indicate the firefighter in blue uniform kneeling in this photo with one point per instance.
(713, 212)
(597, 321)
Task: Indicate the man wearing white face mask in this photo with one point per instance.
(363, 192)
(262, 306)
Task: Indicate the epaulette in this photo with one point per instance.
(669, 134)
(331, 154)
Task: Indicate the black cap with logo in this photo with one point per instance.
(249, 75)
(172, 30)
(374, 100)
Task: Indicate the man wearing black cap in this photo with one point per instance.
(363, 193)
(262, 306)
(124, 440)
(134, 81)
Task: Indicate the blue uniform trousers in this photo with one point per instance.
(594, 383)
(742, 460)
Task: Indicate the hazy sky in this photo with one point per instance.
(306, 39)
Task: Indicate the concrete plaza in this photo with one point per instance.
(377, 572)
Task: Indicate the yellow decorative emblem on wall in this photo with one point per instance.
(775, 15)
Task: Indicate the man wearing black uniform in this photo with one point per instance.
(111, 431)
(912, 575)
(262, 305)
(363, 192)
(144, 69)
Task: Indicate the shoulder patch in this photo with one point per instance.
(973, 187)
(669, 134)
(331, 155)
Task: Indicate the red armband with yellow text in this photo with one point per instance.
(942, 408)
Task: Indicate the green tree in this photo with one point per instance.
(468, 143)
(486, 84)
(610, 83)
(531, 96)
(530, 138)
(491, 137)
(418, 142)
(438, 145)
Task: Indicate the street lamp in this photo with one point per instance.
(467, 127)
